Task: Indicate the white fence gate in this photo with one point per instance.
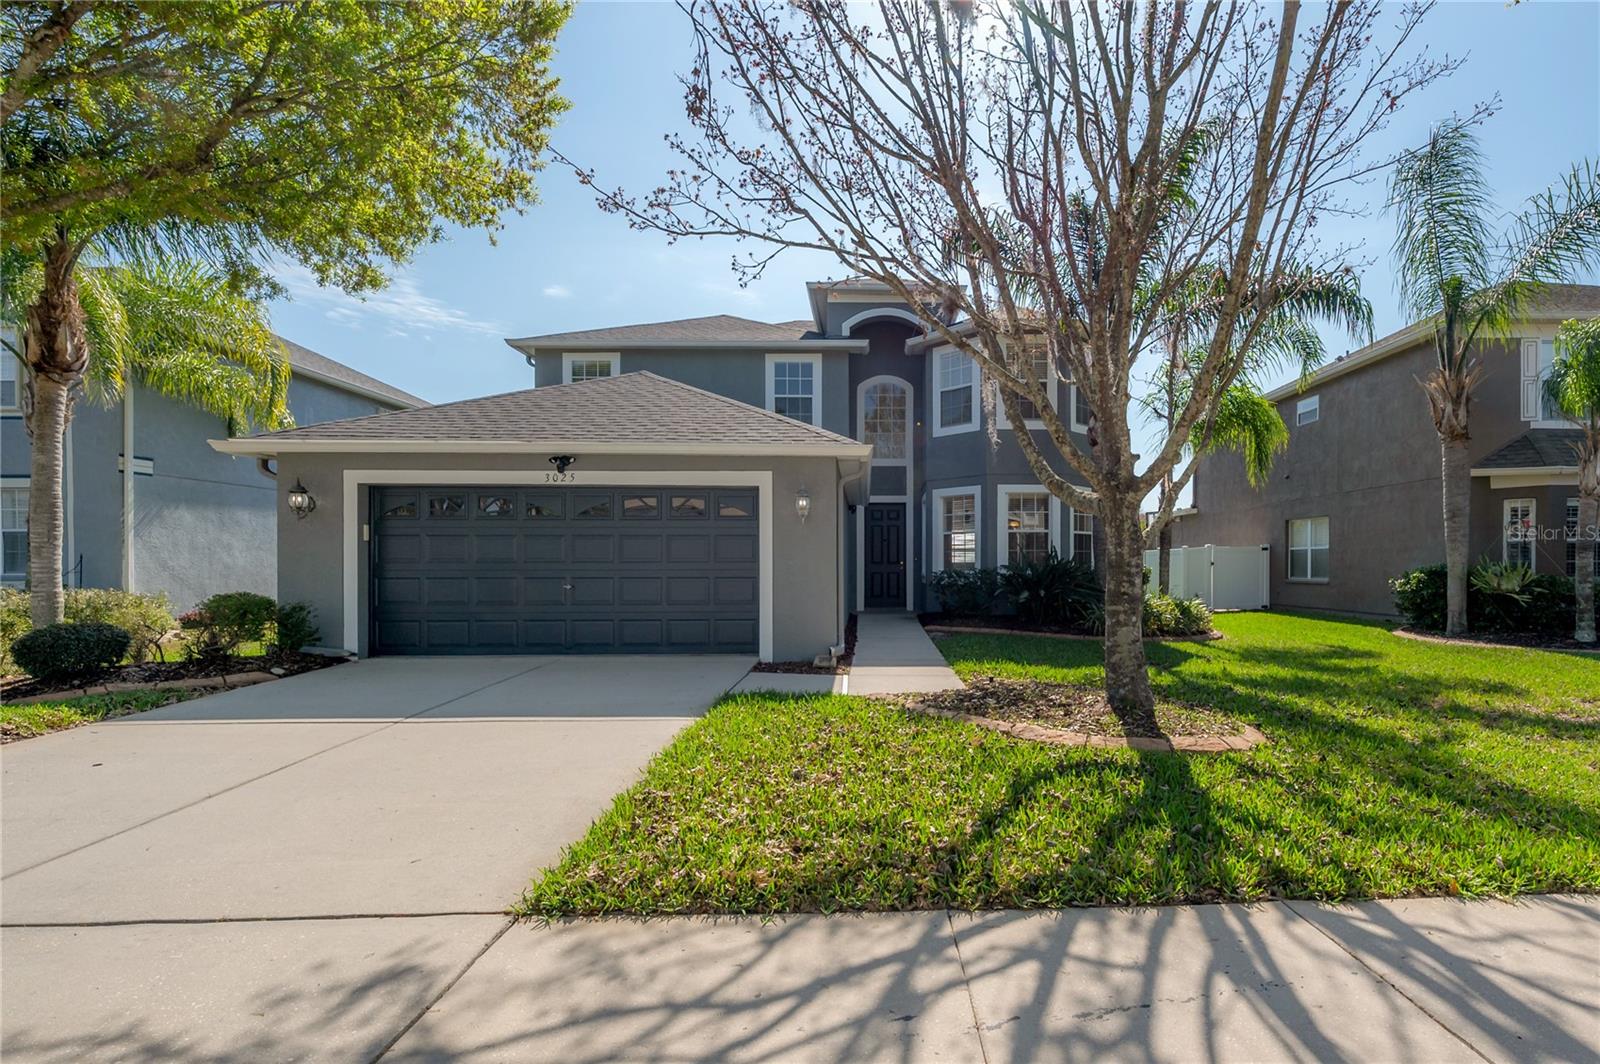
(1224, 578)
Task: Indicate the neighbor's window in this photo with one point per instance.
(1308, 549)
(956, 374)
(794, 389)
(1574, 539)
(1083, 536)
(10, 370)
(1027, 526)
(1036, 361)
(1520, 534)
(14, 532)
(1308, 410)
(585, 368)
(958, 525)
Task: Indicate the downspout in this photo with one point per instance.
(127, 486)
(862, 469)
(69, 478)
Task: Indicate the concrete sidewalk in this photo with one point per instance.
(895, 656)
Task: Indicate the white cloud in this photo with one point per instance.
(558, 291)
(401, 306)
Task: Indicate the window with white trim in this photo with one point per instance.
(1027, 526)
(1308, 410)
(1081, 412)
(1516, 545)
(958, 531)
(1035, 360)
(957, 380)
(792, 387)
(10, 374)
(884, 421)
(14, 533)
(577, 368)
(1083, 536)
(1308, 548)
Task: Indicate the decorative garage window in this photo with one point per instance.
(688, 506)
(1516, 546)
(1083, 536)
(403, 506)
(576, 368)
(792, 386)
(958, 392)
(592, 507)
(447, 506)
(1027, 523)
(496, 506)
(735, 504)
(1308, 549)
(956, 522)
(14, 532)
(547, 507)
(641, 506)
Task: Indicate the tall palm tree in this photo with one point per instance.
(1574, 389)
(1471, 286)
(175, 326)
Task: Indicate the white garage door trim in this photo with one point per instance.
(356, 479)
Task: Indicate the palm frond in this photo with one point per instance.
(1553, 239)
(1246, 422)
(1441, 203)
(1574, 382)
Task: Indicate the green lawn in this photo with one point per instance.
(1395, 768)
(40, 717)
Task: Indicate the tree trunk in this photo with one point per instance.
(1457, 478)
(57, 352)
(1583, 574)
(1164, 559)
(1127, 677)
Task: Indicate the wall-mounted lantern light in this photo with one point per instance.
(300, 500)
(561, 461)
(802, 504)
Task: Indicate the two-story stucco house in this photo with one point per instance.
(710, 484)
(203, 522)
(1356, 498)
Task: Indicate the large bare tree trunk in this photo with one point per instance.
(57, 352)
(1127, 679)
(1456, 474)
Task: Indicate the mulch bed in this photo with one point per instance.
(152, 673)
(811, 668)
(1515, 640)
(1072, 715)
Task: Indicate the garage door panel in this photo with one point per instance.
(574, 570)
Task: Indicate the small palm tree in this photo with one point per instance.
(1574, 389)
(1472, 286)
(174, 326)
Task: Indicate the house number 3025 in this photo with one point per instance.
(560, 478)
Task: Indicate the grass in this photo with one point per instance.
(39, 718)
(1396, 768)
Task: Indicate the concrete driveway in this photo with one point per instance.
(300, 867)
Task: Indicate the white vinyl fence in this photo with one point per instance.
(1224, 578)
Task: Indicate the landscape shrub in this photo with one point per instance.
(1166, 616)
(230, 618)
(294, 627)
(14, 621)
(1501, 599)
(61, 652)
(146, 618)
(966, 592)
(1053, 591)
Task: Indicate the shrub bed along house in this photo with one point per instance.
(146, 618)
(1502, 600)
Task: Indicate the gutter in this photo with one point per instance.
(533, 344)
(266, 447)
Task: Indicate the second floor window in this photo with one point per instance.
(1308, 410)
(1080, 410)
(1520, 534)
(1308, 548)
(956, 374)
(1036, 360)
(10, 371)
(794, 389)
(578, 368)
(884, 421)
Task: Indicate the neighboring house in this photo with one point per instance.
(1356, 498)
(456, 530)
(203, 522)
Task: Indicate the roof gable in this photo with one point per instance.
(308, 363)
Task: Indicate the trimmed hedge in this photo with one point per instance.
(1499, 601)
(60, 652)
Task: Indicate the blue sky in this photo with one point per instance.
(437, 330)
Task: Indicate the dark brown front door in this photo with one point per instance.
(886, 554)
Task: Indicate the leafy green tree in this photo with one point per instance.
(340, 135)
(180, 329)
(1574, 389)
(1471, 285)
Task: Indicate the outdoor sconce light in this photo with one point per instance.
(300, 500)
(802, 504)
(561, 461)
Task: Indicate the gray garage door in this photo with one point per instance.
(564, 570)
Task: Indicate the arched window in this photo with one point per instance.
(885, 414)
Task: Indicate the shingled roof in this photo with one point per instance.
(714, 329)
(308, 363)
(626, 413)
(1537, 449)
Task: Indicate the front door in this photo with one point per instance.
(886, 555)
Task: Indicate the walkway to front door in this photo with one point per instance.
(885, 570)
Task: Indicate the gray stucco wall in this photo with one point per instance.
(806, 609)
(1370, 464)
